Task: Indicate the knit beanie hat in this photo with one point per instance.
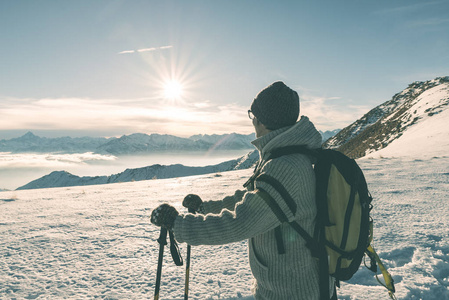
(276, 106)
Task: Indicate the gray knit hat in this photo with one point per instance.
(276, 106)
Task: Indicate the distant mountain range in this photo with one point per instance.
(328, 134)
(137, 143)
(32, 143)
(420, 104)
(63, 178)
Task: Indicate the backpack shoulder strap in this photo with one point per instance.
(317, 250)
(279, 214)
(311, 243)
(273, 182)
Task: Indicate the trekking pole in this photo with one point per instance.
(186, 288)
(162, 240)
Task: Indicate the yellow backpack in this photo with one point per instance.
(344, 227)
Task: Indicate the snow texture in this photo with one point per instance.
(96, 241)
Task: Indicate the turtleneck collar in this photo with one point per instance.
(302, 133)
(260, 142)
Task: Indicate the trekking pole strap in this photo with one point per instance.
(174, 250)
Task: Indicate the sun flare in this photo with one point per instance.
(172, 89)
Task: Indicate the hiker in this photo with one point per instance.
(282, 265)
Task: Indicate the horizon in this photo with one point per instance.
(108, 69)
(52, 134)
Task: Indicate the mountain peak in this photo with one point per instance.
(29, 135)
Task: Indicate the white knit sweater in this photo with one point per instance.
(293, 275)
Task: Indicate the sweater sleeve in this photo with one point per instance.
(252, 216)
(229, 202)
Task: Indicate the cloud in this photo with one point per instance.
(328, 113)
(428, 22)
(123, 116)
(414, 7)
(30, 160)
(115, 117)
(127, 52)
(145, 50)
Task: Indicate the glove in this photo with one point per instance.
(193, 203)
(164, 216)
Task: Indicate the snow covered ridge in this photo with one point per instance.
(63, 178)
(136, 143)
(420, 104)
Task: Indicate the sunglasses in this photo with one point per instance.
(250, 114)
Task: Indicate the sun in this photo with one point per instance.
(172, 89)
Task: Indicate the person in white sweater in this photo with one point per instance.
(283, 268)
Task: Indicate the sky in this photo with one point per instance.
(101, 68)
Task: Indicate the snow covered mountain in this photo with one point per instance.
(416, 117)
(228, 141)
(137, 143)
(325, 135)
(63, 178)
(143, 143)
(32, 143)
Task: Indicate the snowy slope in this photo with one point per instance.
(429, 135)
(408, 110)
(97, 242)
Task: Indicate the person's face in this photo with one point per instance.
(259, 128)
(254, 122)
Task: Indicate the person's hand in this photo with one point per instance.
(192, 202)
(164, 216)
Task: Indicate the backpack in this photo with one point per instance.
(344, 228)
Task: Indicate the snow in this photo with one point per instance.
(429, 139)
(96, 241)
(388, 121)
(429, 136)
